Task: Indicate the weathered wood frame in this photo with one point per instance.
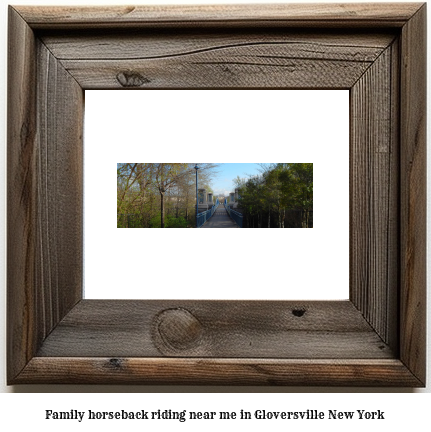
(377, 338)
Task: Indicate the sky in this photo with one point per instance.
(223, 182)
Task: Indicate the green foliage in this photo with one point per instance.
(170, 222)
(148, 191)
(281, 187)
(178, 222)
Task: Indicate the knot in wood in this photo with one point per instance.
(178, 328)
(298, 312)
(131, 79)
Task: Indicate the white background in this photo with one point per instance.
(217, 126)
(27, 410)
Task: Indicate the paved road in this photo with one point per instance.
(220, 219)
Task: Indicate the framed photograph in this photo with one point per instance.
(376, 51)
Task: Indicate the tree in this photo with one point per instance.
(141, 185)
(126, 178)
(279, 187)
(165, 177)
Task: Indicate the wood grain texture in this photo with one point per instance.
(59, 245)
(55, 337)
(216, 371)
(374, 195)
(21, 194)
(240, 329)
(141, 44)
(308, 15)
(45, 106)
(413, 194)
(210, 60)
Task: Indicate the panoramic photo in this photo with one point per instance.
(214, 195)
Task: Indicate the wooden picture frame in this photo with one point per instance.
(376, 338)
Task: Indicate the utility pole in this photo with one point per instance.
(197, 198)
